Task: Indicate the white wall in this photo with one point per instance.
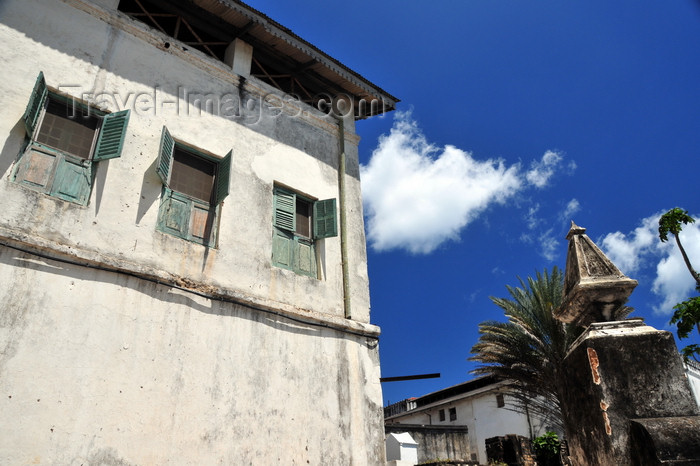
(693, 374)
(95, 370)
(480, 413)
(100, 367)
(269, 146)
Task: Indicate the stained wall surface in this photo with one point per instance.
(120, 344)
(275, 141)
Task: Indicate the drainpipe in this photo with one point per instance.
(343, 220)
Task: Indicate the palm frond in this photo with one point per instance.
(529, 348)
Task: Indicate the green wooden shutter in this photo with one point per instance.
(36, 103)
(325, 219)
(111, 140)
(72, 181)
(304, 258)
(285, 210)
(36, 168)
(165, 156)
(282, 249)
(223, 172)
(174, 214)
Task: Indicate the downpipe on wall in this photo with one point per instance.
(343, 220)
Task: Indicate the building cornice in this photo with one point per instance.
(80, 257)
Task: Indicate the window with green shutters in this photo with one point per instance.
(298, 222)
(194, 185)
(66, 138)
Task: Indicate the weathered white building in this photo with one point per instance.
(459, 419)
(692, 371)
(182, 254)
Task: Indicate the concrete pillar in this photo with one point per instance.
(621, 374)
(239, 56)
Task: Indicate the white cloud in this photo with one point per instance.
(571, 208)
(546, 241)
(541, 171)
(628, 251)
(417, 195)
(673, 281)
(531, 218)
(642, 249)
(549, 246)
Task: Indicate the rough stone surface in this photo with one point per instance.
(594, 288)
(618, 372)
(666, 441)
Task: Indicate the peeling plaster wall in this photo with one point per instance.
(99, 365)
(273, 141)
(104, 367)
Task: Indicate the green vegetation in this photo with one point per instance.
(546, 448)
(687, 314)
(529, 349)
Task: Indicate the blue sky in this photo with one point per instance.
(515, 118)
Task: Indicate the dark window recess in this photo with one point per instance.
(186, 23)
(194, 185)
(67, 129)
(192, 175)
(298, 222)
(200, 29)
(283, 74)
(500, 401)
(65, 138)
(303, 213)
(442, 414)
(453, 414)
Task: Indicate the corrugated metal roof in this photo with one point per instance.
(455, 390)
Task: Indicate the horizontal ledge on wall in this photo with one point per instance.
(50, 250)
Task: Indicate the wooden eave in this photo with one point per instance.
(291, 50)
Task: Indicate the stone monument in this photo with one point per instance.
(627, 397)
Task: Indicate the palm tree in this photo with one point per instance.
(529, 349)
(687, 313)
(670, 222)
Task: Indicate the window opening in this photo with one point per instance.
(453, 414)
(64, 129)
(194, 185)
(198, 28)
(303, 214)
(65, 139)
(192, 175)
(298, 222)
(500, 401)
(185, 26)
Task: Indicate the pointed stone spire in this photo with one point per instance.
(594, 288)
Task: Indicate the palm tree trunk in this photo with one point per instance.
(695, 275)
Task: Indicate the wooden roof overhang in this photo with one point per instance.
(280, 57)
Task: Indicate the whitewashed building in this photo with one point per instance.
(455, 422)
(182, 254)
(692, 371)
